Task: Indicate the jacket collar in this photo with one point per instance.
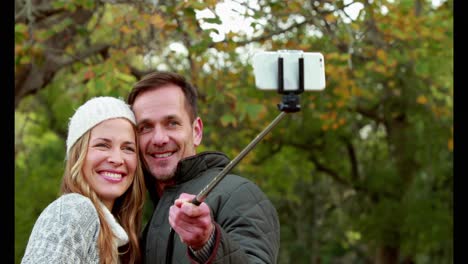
(188, 169)
(192, 166)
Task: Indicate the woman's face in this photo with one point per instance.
(111, 159)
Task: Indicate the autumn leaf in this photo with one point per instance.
(157, 21)
(125, 29)
(89, 75)
(421, 100)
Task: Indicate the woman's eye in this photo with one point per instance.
(102, 145)
(129, 149)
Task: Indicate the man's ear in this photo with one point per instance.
(197, 131)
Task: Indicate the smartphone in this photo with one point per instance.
(265, 64)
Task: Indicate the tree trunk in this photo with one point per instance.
(31, 78)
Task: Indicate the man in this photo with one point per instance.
(235, 224)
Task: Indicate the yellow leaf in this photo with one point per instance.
(421, 100)
(356, 91)
(331, 55)
(140, 24)
(450, 144)
(381, 55)
(340, 103)
(18, 49)
(125, 29)
(157, 21)
(330, 17)
(211, 3)
(380, 69)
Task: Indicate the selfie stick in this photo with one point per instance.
(289, 104)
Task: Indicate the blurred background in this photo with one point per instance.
(362, 174)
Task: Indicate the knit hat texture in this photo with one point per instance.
(93, 112)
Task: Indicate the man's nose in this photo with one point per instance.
(160, 136)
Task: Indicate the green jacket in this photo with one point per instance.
(247, 225)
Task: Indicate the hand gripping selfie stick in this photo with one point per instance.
(289, 104)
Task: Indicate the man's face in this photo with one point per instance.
(165, 133)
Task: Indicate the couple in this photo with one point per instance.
(97, 219)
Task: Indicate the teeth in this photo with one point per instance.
(112, 175)
(165, 155)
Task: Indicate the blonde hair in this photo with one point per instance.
(127, 209)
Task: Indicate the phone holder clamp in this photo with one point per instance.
(290, 102)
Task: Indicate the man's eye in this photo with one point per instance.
(144, 128)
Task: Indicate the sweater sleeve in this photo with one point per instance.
(65, 232)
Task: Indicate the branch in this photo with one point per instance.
(187, 42)
(274, 149)
(139, 73)
(81, 56)
(266, 36)
(36, 12)
(20, 15)
(375, 195)
(321, 167)
(368, 112)
(32, 78)
(132, 2)
(352, 159)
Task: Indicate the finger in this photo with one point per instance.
(178, 217)
(186, 196)
(178, 202)
(191, 210)
(173, 215)
(191, 231)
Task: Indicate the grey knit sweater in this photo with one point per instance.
(67, 232)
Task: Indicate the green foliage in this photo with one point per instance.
(38, 174)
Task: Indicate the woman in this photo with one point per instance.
(97, 218)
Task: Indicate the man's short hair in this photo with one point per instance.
(158, 79)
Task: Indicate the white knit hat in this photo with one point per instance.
(93, 112)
